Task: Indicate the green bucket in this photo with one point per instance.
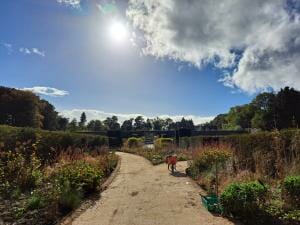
(211, 203)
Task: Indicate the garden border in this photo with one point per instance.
(88, 202)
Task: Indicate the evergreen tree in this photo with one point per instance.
(82, 120)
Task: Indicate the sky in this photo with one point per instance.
(169, 58)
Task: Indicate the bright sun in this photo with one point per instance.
(118, 32)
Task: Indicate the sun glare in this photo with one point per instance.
(118, 32)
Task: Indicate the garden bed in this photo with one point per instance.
(40, 191)
(244, 195)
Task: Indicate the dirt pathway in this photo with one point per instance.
(142, 194)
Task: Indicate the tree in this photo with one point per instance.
(148, 124)
(239, 117)
(82, 120)
(73, 125)
(169, 124)
(111, 123)
(185, 124)
(158, 123)
(98, 126)
(49, 114)
(95, 125)
(287, 108)
(62, 123)
(217, 123)
(265, 115)
(139, 123)
(19, 108)
(127, 125)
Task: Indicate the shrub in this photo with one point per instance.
(163, 142)
(243, 200)
(107, 163)
(134, 142)
(70, 197)
(291, 190)
(193, 172)
(19, 173)
(80, 176)
(211, 155)
(35, 201)
(205, 157)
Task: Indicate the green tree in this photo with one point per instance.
(111, 123)
(62, 123)
(239, 117)
(287, 108)
(139, 123)
(82, 120)
(19, 108)
(218, 123)
(158, 123)
(148, 124)
(73, 126)
(185, 124)
(127, 125)
(95, 125)
(49, 115)
(265, 115)
(168, 124)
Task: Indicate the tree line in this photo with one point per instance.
(25, 109)
(267, 111)
(138, 123)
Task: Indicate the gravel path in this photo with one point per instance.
(142, 194)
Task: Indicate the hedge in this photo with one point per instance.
(279, 150)
(134, 142)
(163, 142)
(47, 144)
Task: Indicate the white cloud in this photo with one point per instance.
(8, 47)
(72, 3)
(25, 51)
(36, 51)
(211, 31)
(101, 115)
(49, 91)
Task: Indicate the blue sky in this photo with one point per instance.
(56, 44)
